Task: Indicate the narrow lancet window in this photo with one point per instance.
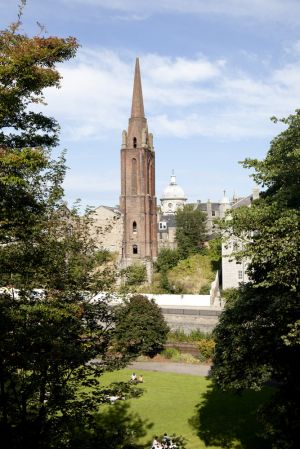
(134, 142)
(133, 177)
(134, 249)
(134, 227)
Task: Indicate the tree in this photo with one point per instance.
(51, 328)
(166, 259)
(140, 327)
(258, 334)
(104, 433)
(190, 230)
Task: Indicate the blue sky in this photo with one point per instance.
(213, 73)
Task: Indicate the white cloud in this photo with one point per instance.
(166, 70)
(261, 10)
(183, 97)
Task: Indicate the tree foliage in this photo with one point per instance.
(51, 327)
(258, 334)
(134, 275)
(166, 259)
(190, 230)
(140, 328)
(103, 432)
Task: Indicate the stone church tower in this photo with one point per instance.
(137, 200)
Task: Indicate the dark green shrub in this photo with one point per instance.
(167, 259)
(140, 327)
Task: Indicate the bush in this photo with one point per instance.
(167, 259)
(205, 289)
(102, 256)
(185, 357)
(171, 353)
(206, 347)
(180, 336)
(140, 327)
(134, 275)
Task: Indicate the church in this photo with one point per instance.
(137, 229)
(137, 199)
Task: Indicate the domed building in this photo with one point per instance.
(172, 197)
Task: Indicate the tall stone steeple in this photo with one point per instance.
(137, 200)
(137, 107)
(137, 121)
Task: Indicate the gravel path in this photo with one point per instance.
(168, 367)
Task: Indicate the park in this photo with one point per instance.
(93, 329)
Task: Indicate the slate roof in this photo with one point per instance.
(203, 206)
(243, 202)
(169, 219)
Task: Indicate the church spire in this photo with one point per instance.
(137, 108)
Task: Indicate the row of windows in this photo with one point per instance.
(162, 225)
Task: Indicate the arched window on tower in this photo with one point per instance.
(134, 142)
(134, 227)
(150, 175)
(133, 177)
(134, 249)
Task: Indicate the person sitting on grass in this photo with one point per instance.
(133, 378)
(140, 379)
(155, 443)
(166, 441)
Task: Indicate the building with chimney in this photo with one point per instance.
(137, 199)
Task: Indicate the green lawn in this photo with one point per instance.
(188, 405)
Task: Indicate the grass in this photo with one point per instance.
(192, 274)
(188, 405)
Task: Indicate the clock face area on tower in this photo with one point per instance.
(137, 199)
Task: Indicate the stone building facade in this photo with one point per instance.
(137, 199)
(107, 228)
(235, 272)
(213, 211)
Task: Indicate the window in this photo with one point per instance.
(133, 177)
(240, 274)
(134, 227)
(170, 205)
(213, 213)
(134, 249)
(150, 180)
(134, 142)
(162, 225)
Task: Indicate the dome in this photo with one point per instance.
(173, 191)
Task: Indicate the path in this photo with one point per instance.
(169, 367)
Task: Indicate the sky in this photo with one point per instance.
(213, 73)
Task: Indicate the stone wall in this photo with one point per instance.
(107, 228)
(189, 319)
